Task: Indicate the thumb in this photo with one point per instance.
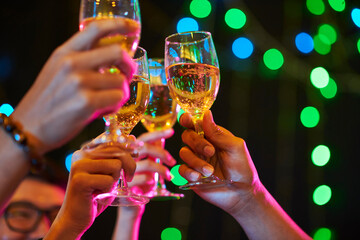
(217, 135)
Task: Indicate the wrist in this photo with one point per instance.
(62, 229)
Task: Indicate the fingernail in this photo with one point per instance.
(194, 176)
(209, 151)
(208, 170)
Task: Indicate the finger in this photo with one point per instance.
(157, 152)
(98, 29)
(198, 143)
(185, 121)
(111, 167)
(105, 101)
(195, 162)
(100, 57)
(92, 182)
(98, 81)
(151, 166)
(156, 135)
(189, 174)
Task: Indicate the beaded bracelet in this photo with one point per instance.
(36, 161)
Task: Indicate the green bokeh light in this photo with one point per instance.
(235, 18)
(358, 45)
(320, 155)
(330, 90)
(273, 59)
(200, 8)
(337, 5)
(181, 112)
(322, 44)
(327, 34)
(322, 195)
(177, 179)
(171, 234)
(322, 234)
(316, 7)
(319, 77)
(310, 117)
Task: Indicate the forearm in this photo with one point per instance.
(14, 165)
(128, 223)
(263, 218)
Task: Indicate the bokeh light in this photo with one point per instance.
(171, 234)
(273, 59)
(316, 7)
(319, 77)
(355, 15)
(304, 43)
(330, 90)
(322, 234)
(322, 45)
(358, 45)
(68, 161)
(322, 195)
(310, 117)
(327, 33)
(6, 109)
(337, 5)
(320, 156)
(6, 67)
(200, 8)
(235, 18)
(187, 24)
(242, 48)
(177, 179)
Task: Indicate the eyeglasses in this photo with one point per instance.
(24, 217)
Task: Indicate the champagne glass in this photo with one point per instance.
(160, 114)
(127, 10)
(193, 76)
(126, 119)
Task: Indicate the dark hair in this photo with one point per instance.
(52, 174)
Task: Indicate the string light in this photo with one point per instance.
(322, 234)
(6, 109)
(273, 59)
(187, 24)
(177, 179)
(319, 77)
(355, 16)
(330, 90)
(304, 43)
(320, 155)
(322, 195)
(68, 161)
(171, 234)
(242, 48)
(235, 18)
(310, 117)
(316, 7)
(337, 5)
(200, 8)
(327, 33)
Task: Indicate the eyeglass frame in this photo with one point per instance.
(40, 214)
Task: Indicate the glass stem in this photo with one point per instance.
(197, 121)
(122, 184)
(159, 181)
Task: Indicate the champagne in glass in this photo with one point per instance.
(127, 10)
(160, 114)
(126, 119)
(192, 72)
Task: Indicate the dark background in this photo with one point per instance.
(259, 105)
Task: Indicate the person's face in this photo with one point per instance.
(31, 195)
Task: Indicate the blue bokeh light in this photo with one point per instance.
(304, 42)
(6, 67)
(68, 161)
(187, 24)
(242, 48)
(6, 109)
(355, 15)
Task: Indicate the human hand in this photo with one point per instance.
(229, 159)
(69, 92)
(92, 172)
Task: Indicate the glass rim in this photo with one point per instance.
(144, 53)
(207, 33)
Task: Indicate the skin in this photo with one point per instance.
(247, 200)
(41, 194)
(68, 93)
